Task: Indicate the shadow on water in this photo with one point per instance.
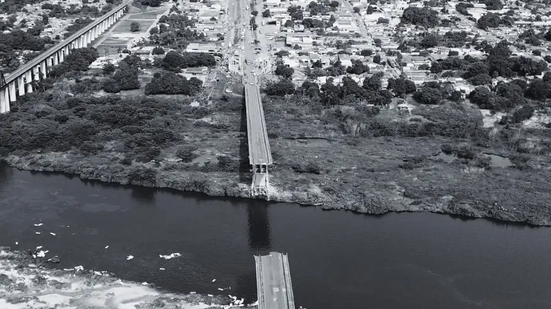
(6, 173)
(496, 222)
(142, 194)
(259, 228)
(244, 167)
(50, 173)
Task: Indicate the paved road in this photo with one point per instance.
(358, 19)
(259, 145)
(274, 282)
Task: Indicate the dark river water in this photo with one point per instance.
(338, 259)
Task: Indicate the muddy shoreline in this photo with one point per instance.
(229, 185)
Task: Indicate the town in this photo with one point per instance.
(369, 106)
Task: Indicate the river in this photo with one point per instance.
(337, 259)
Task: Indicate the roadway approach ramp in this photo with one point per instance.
(273, 281)
(259, 144)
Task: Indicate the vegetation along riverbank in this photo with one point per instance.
(334, 156)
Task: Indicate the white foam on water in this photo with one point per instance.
(42, 288)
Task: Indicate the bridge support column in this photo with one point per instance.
(21, 85)
(28, 81)
(61, 56)
(43, 69)
(49, 64)
(4, 101)
(54, 60)
(13, 94)
(36, 73)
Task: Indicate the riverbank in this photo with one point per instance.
(177, 143)
(382, 179)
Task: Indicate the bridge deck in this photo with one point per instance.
(259, 145)
(273, 281)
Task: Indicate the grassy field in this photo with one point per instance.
(123, 27)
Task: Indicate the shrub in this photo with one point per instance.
(186, 153)
(310, 168)
(135, 26)
(523, 113)
(147, 154)
(109, 68)
(158, 51)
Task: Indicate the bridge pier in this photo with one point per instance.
(21, 85)
(4, 102)
(11, 90)
(20, 82)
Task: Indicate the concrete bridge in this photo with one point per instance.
(20, 82)
(260, 155)
(273, 282)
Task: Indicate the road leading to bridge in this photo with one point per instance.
(259, 145)
(260, 155)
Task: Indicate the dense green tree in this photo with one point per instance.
(429, 40)
(366, 52)
(284, 70)
(420, 17)
(526, 66)
(480, 79)
(18, 39)
(109, 68)
(436, 67)
(171, 83)
(428, 95)
(538, 90)
(135, 26)
(462, 7)
(493, 4)
(489, 20)
(280, 88)
(401, 86)
(357, 68)
(374, 82)
(158, 50)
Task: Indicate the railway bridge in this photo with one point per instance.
(21, 81)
